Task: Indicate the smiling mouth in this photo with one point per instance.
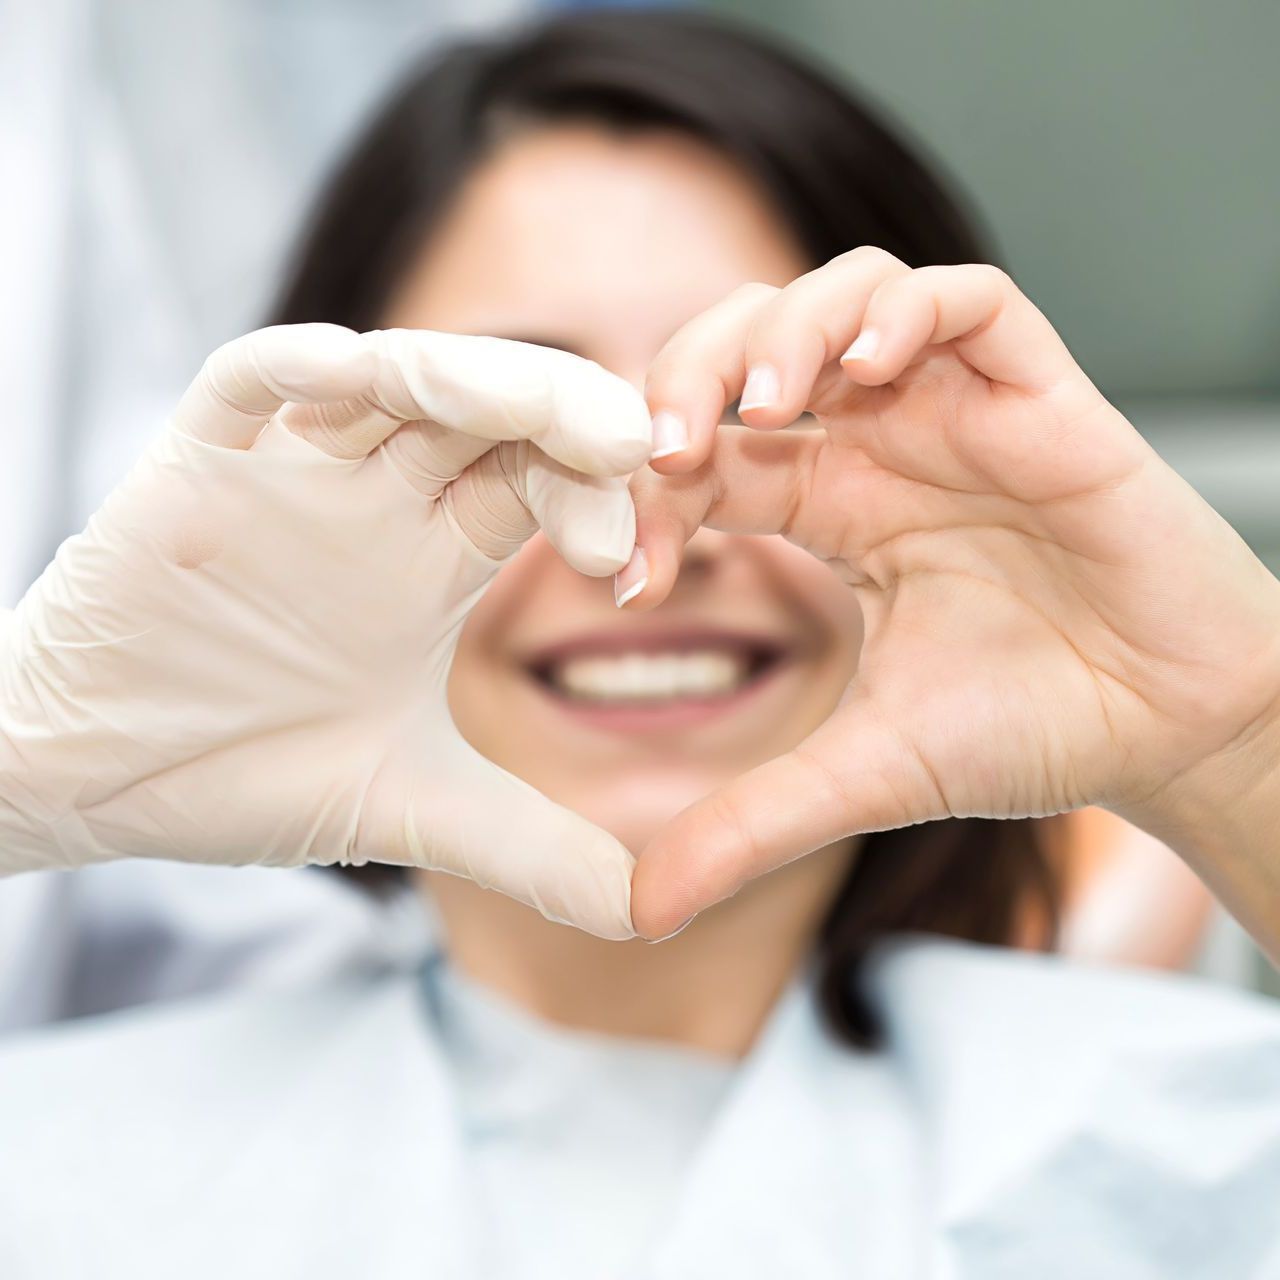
(657, 674)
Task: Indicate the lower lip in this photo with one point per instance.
(678, 713)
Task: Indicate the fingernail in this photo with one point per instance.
(632, 579)
(864, 346)
(763, 387)
(670, 435)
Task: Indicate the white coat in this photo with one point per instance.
(1027, 1118)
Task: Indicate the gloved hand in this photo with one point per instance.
(243, 658)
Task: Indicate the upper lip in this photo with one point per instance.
(604, 643)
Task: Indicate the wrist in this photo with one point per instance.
(1223, 816)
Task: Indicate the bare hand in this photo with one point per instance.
(1053, 617)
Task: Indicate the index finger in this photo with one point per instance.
(245, 381)
(475, 391)
(752, 482)
(698, 372)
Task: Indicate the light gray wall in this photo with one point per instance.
(1127, 153)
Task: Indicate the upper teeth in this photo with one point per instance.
(704, 673)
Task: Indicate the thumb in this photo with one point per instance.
(854, 774)
(466, 816)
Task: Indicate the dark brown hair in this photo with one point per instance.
(838, 176)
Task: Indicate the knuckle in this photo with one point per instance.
(866, 255)
(991, 276)
(753, 291)
(219, 375)
(889, 291)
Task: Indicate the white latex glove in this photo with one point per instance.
(243, 658)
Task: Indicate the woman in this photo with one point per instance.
(538, 1100)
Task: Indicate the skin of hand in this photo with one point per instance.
(261, 619)
(1054, 618)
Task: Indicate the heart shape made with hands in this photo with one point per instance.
(1053, 617)
(243, 658)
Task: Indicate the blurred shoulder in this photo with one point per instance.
(1127, 1121)
(209, 1138)
(120, 1050)
(173, 1086)
(1045, 1001)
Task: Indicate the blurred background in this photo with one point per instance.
(157, 158)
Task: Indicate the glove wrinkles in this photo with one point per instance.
(244, 657)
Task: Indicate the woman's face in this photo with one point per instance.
(605, 244)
